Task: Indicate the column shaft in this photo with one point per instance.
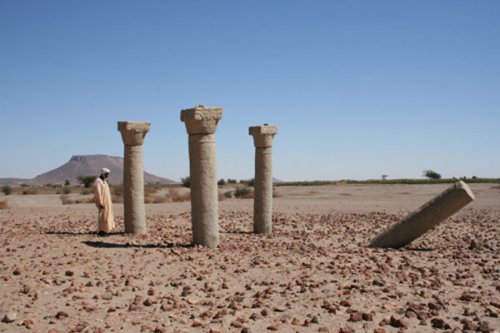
(263, 202)
(204, 190)
(428, 216)
(133, 182)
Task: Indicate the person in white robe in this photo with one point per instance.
(105, 219)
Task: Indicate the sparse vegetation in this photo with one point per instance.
(228, 194)
(67, 200)
(406, 181)
(243, 193)
(431, 174)
(248, 182)
(231, 181)
(177, 195)
(221, 182)
(66, 189)
(86, 181)
(186, 182)
(7, 190)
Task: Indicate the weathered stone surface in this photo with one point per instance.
(201, 120)
(428, 216)
(263, 203)
(133, 134)
(201, 123)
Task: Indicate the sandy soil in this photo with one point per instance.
(313, 275)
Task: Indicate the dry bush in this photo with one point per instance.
(29, 191)
(244, 193)
(4, 204)
(178, 195)
(67, 200)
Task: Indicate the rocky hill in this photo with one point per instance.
(85, 165)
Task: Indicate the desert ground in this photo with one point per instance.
(313, 275)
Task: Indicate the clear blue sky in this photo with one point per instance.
(357, 88)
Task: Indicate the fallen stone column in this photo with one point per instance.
(428, 216)
(201, 124)
(263, 201)
(133, 134)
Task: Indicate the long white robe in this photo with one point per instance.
(106, 221)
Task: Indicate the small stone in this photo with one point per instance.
(9, 317)
(346, 329)
(439, 324)
(398, 323)
(379, 330)
(315, 320)
(356, 316)
(246, 330)
(107, 296)
(367, 316)
(273, 327)
(69, 273)
(484, 327)
(61, 315)
(345, 303)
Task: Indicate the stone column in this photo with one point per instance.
(263, 203)
(133, 134)
(427, 217)
(201, 123)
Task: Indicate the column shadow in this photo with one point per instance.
(418, 249)
(108, 245)
(68, 233)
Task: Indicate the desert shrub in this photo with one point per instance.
(243, 193)
(177, 195)
(66, 190)
(86, 181)
(186, 181)
(231, 181)
(7, 190)
(248, 182)
(228, 194)
(4, 204)
(221, 182)
(29, 191)
(86, 192)
(431, 174)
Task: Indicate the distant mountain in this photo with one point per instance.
(85, 165)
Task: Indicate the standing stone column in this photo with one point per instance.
(133, 134)
(263, 203)
(201, 123)
(425, 218)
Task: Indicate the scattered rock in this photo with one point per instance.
(9, 317)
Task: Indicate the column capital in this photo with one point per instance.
(201, 119)
(263, 135)
(133, 132)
